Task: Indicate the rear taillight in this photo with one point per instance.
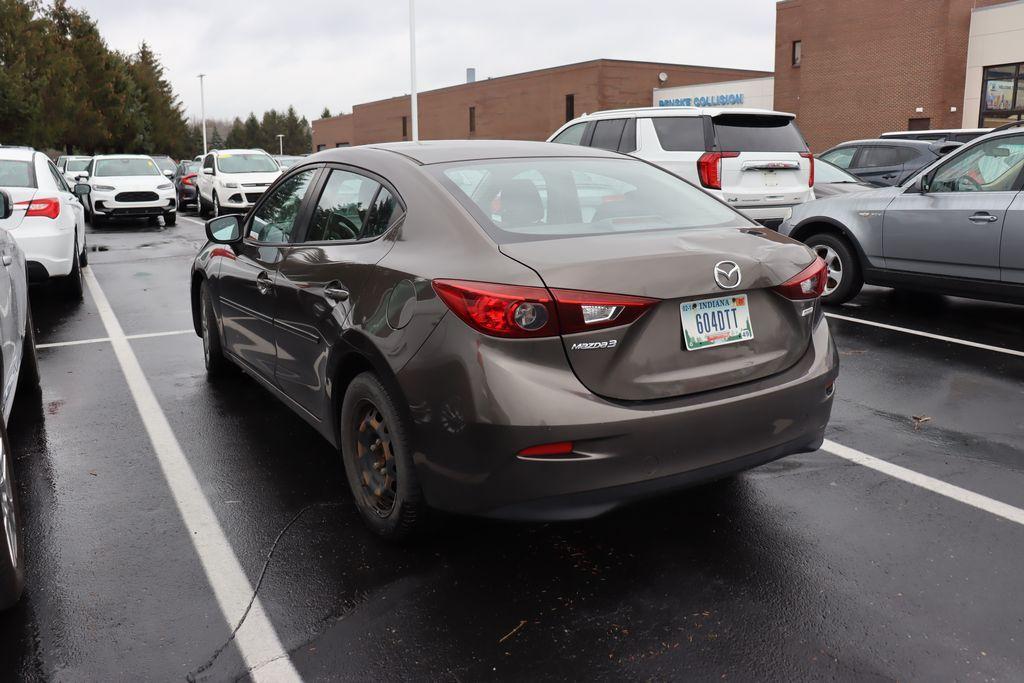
(189, 179)
(524, 312)
(810, 178)
(709, 168)
(45, 207)
(809, 283)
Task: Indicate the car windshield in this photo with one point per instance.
(190, 167)
(130, 166)
(16, 174)
(825, 172)
(757, 133)
(527, 199)
(246, 163)
(165, 163)
(78, 164)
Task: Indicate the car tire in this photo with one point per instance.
(200, 206)
(83, 256)
(845, 278)
(217, 364)
(28, 373)
(74, 283)
(216, 206)
(12, 549)
(377, 455)
(170, 218)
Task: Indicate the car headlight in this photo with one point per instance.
(231, 185)
(104, 188)
(165, 186)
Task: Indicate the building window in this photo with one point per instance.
(919, 124)
(320, 147)
(405, 126)
(797, 49)
(570, 107)
(1002, 95)
(341, 144)
(472, 119)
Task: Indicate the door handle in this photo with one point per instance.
(7, 258)
(335, 292)
(983, 218)
(263, 282)
(889, 176)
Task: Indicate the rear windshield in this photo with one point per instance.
(77, 164)
(246, 163)
(757, 133)
(126, 167)
(16, 174)
(517, 200)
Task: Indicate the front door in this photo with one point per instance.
(955, 228)
(247, 280)
(327, 275)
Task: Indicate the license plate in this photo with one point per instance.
(714, 322)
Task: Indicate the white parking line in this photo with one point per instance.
(938, 486)
(929, 335)
(97, 340)
(261, 649)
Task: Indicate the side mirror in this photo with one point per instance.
(82, 189)
(224, 229)
(6, 207)
(924, 184)
(84, 175)
(168, 173)
(207, 171)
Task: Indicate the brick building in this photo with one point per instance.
(857, 69)
(525, 106)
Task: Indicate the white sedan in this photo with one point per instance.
(129, 186)
(47, 219)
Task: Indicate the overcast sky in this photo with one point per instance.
(336, 53)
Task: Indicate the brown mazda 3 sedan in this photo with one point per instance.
(516, 329)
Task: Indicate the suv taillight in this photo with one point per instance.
(809, 283)
(520, 312)
(810, 179)
(709, 168)
(46, 207)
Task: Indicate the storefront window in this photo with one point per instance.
(1002, 95)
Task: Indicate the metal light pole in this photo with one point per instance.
(280, 144)
(412, 70)
(202, 109)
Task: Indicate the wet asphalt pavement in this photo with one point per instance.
(810, 567)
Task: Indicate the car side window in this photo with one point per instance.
(841, 157)
(343, 209)
(993, 166)
(208, 162)
(273, 221)
(607, 134)
(573, 135)
(385, 212)
(878, 157)
(680, 133)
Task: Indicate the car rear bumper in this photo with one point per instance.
(474, 415)
(187, 195)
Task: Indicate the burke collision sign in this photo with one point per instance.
(734, 99)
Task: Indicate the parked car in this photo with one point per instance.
(754, 160)
(886, 162)
(285, 161)
(830, 181)
(167, 164)
(20, 370)
(441, 312)
(47, 218)
(185, 184)
(71, 166)
(125, 186)
(956, 227)
(234, 179)
(938, 135)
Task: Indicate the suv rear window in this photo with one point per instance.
(757, 133)
(680, 133)
(16, 174)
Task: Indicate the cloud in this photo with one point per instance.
(316, 53)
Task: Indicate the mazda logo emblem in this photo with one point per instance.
(727, 275)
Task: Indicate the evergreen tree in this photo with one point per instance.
(236, 136)
(216, 141)
(252, 133)
(326, 113)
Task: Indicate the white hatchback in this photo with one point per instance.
(234, 179)
(48, 219)
(755, 160)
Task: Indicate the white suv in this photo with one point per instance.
(129, 186)
(48, 221)
(234, 179)
(755, 160)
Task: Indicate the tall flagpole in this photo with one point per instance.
(412, 70)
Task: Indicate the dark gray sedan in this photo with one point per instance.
(514, 329)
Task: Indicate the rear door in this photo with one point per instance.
(1011, 259)
(956, 228)
(327, 274)
(771, 166)
(882, 164)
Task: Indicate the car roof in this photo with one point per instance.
(237, 151)
(444, 151)
(122, 156)
(17, 153)
(935, 131)
(678, 111)
(893, 142)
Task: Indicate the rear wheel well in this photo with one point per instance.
(348, 368)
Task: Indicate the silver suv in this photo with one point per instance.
(755, 160)
(955, 227)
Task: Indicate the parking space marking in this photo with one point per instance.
(97, 340)
(929, 335)
(938, 486)
(261, 649)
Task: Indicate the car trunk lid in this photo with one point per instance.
(768, 163)
(18, 195)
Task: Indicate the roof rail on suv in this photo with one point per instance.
(1007, 126)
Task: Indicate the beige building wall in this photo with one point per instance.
(996, 37)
